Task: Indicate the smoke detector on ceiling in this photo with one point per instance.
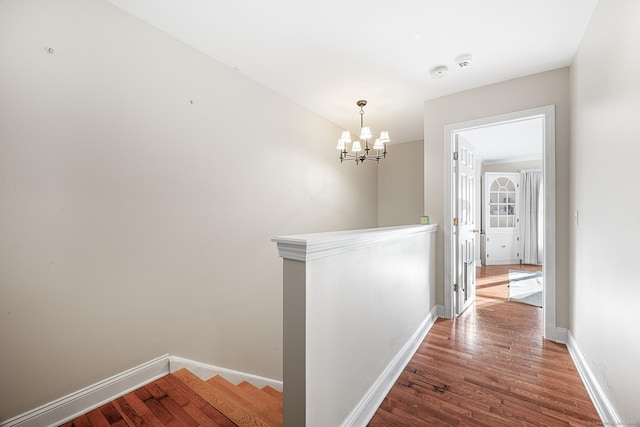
(439, 72)
(464, 61)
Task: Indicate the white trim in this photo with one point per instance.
(605, 409)
(519, 159)
(371, 401)
(307, 247)
(205, 371)
(549, 269)
(82, 401)
(549, 261)
(440, 310)
(562, 335)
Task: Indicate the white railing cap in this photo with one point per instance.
(307, 247)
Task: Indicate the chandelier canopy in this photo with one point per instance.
(358, 153)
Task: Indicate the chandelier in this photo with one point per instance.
(358, 153)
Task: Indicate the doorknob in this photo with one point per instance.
(475, 231)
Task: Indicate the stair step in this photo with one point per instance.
(273, 393)
(198, 405)
(261, 403)
(259, 394)
(227, 403)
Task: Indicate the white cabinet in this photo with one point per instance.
(500, 220)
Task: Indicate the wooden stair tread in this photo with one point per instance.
(194, 405)
(261, 403)
(273, 393)
(260, 394)
(257, 393)
(230, 406)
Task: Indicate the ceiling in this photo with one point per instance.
(517, 141)
(326, 55)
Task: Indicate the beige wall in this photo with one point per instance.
(605, 291)
(538, 90)
(134, 223)
(401, 185)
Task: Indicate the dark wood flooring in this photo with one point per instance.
(489, 367)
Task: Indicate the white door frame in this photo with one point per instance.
(547, 113)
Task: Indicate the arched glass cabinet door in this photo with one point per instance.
(502, 203)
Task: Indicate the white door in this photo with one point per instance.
(464, 234)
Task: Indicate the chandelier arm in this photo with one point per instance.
(362, 157)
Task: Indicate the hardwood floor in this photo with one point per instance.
(489, 367)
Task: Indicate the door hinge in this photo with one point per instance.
(455, 222)
(455, 155)
(455, 287)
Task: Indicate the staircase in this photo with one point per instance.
(243, 404)
(183, 399)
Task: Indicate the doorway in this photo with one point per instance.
(547, 116)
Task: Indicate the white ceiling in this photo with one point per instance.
(516, 141)
(325, 55)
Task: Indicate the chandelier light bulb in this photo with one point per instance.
(365, 133)
(384, 137)
(344, 140)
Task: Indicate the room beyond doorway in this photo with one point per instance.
(509, 172)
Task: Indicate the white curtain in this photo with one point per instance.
(531, 216)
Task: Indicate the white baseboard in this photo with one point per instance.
(440, 310)
(75, 404)
(204, 372)
(368, 405)
(600, 400)
(82, 401)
